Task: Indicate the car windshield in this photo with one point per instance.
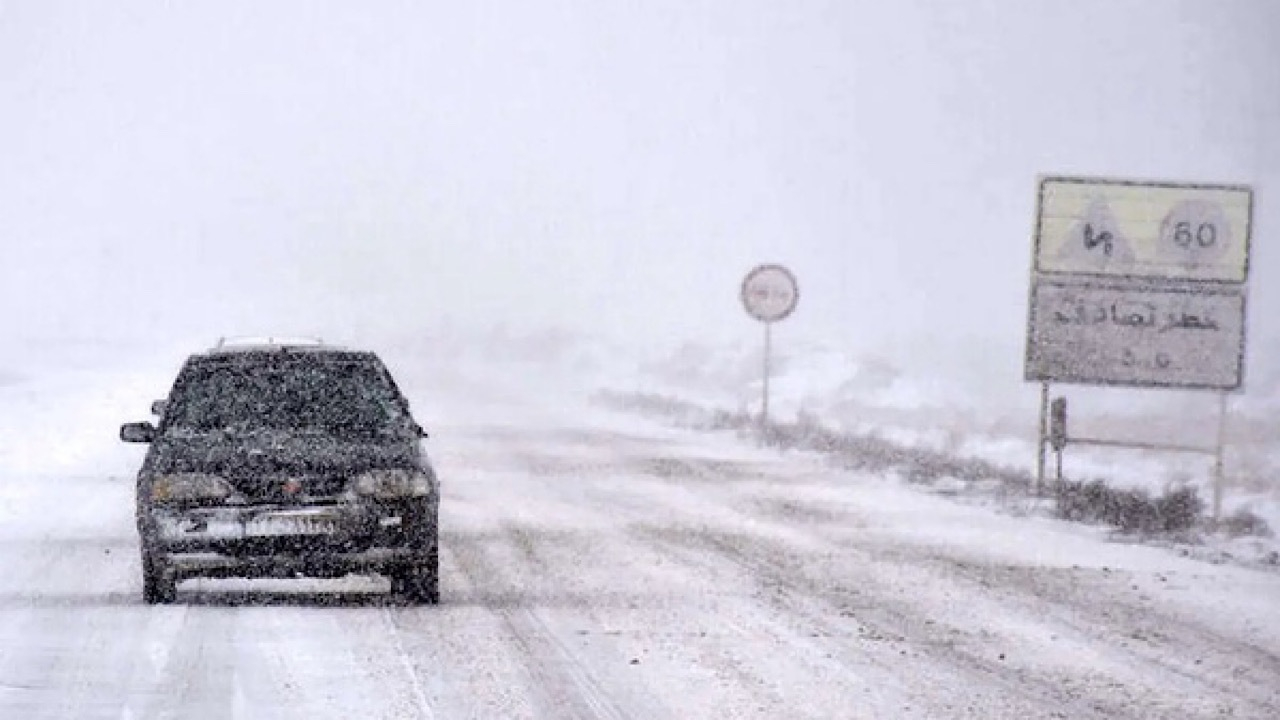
(336, 398)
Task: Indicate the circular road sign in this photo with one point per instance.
(770, 293)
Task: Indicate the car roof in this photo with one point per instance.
(259, 341)
(229, 347)
(239, 354)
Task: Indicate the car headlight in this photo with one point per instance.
(189, 487)
(392, 483)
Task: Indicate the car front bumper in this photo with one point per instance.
(282, 541)
(184, 566)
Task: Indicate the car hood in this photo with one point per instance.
(270, 453)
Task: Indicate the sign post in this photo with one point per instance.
(1219, 480)
(764, 398)
(769, 294)
(1042, 437)
(1139, 284)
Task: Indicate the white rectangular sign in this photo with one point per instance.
(1139, 229)
(1126, 333)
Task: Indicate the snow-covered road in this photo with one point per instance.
(596, 566)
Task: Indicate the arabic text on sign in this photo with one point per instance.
(1131, 315)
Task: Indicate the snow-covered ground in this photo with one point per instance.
(598, 564)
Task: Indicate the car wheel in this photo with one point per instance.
(158, 584)
(419, 582)
(421, 526)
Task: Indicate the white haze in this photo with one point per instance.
(175, 170)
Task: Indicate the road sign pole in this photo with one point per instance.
(1040, 436)
(764, 400)
(1219, 479)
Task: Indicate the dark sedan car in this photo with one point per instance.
(286, 460)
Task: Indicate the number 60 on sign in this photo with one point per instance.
(1118, 228)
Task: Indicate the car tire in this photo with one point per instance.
(419, 582)
(158, 584)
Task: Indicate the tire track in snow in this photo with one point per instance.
(1001, 691)
(563, 685)
(423, 706)
(1145, 635)
(198, 669)
(550, 654)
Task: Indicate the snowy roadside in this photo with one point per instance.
(929, 432)
(966, 400)
(1173, 520)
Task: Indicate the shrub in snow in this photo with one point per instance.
(1179, 509)
(1244, 522)
(1130, 510)
(1082, 502)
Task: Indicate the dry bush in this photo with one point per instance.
(1130, 510)
(1245, 523)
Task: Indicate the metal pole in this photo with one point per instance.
(1040, 436)
(1139, 445)
(764, 403)
(1218, 476)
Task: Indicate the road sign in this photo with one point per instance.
(1122, 228)
(1138, 284)
(1136, 334)
(770, 293)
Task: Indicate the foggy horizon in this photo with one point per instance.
(301, 168)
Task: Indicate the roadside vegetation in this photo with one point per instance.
(1178, 512)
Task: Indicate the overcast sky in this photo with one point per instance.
(224, 167)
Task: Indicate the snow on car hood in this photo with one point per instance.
(238, 455)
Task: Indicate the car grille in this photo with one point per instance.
(289, 487)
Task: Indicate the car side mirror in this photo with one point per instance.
(137, 432)
(158, 406)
